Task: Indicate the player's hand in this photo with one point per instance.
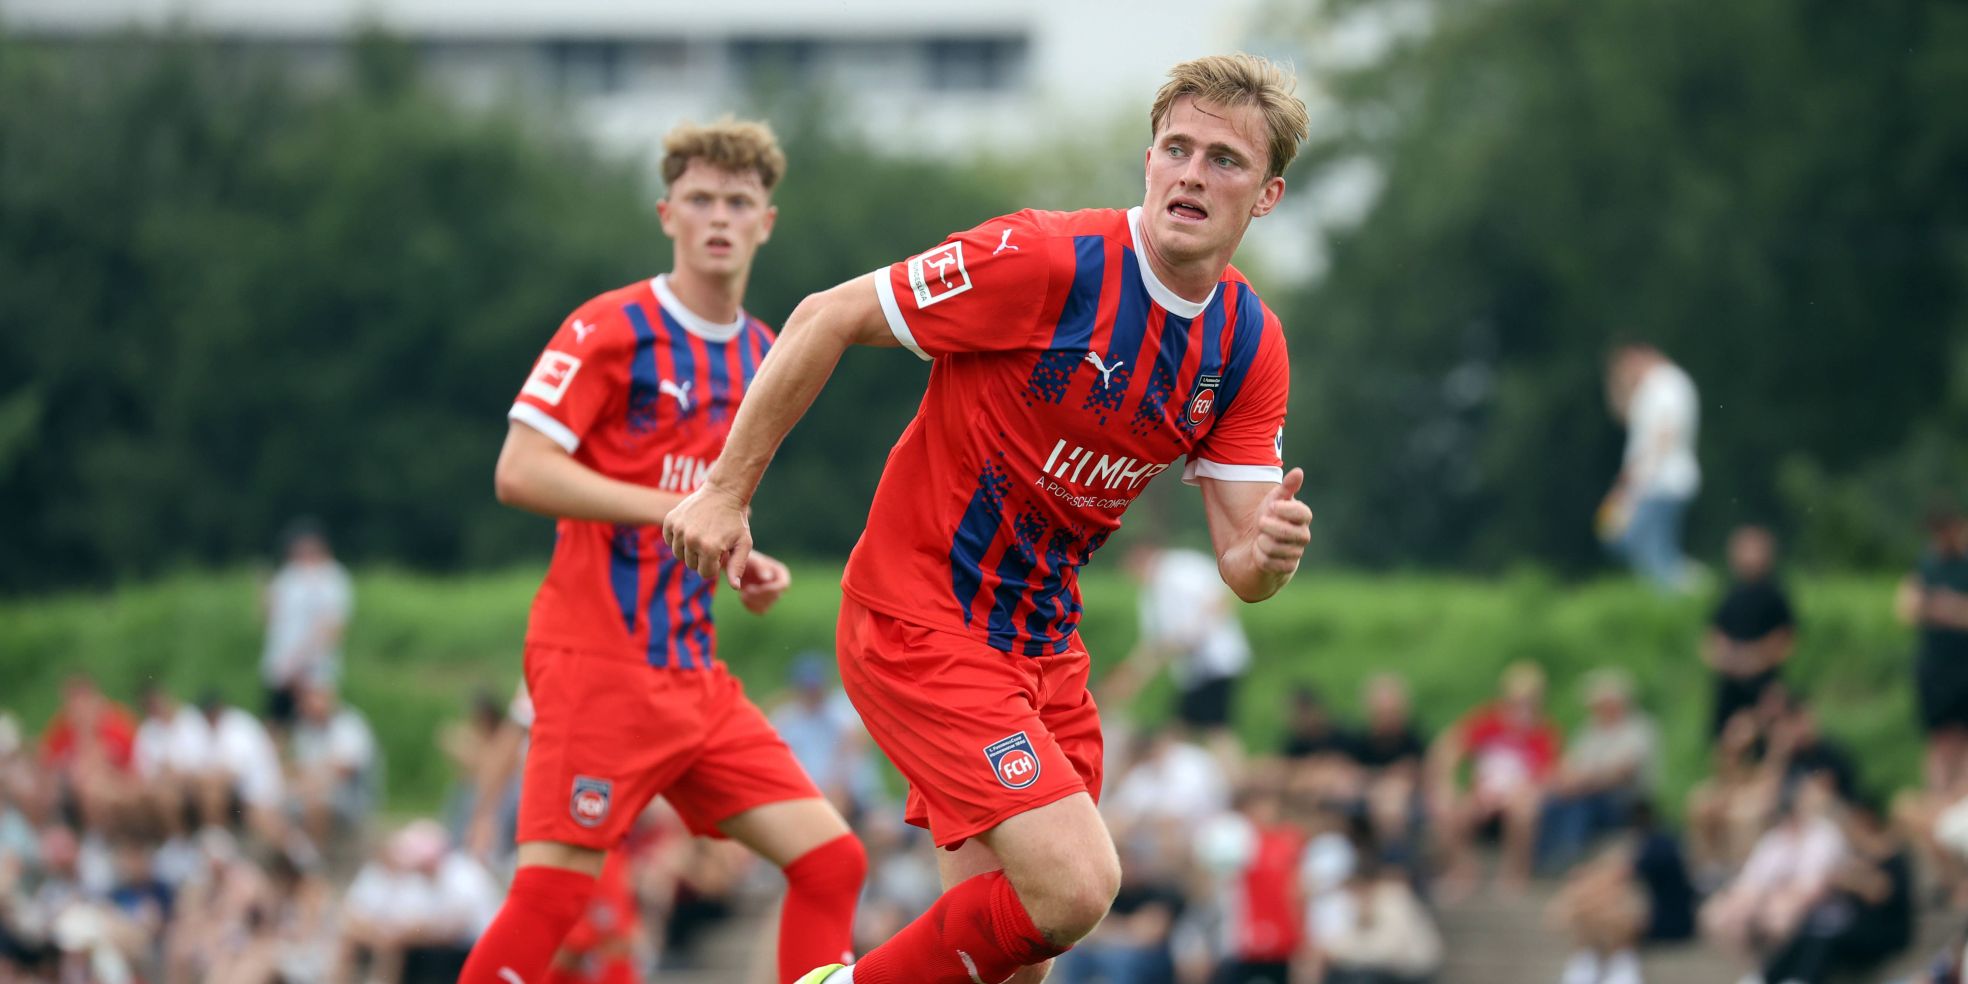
(708, 530)
(764, 581)
(1284, 526)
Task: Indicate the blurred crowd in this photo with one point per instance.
(177, 840)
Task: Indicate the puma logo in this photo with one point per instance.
(1004, 243)
(682, 393)
(581, 330)
(1106, 371)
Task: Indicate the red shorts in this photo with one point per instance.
(611, 734)
(981, 735)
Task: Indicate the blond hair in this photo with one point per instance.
(1241, 80)
(728, 145)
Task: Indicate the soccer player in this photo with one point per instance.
(623, 415)
(1076, 355)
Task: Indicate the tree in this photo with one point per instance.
(1770, 191)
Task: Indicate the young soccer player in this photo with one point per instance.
(1076, 355)
(622, 416)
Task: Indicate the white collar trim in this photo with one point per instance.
(1170, 301)
(691, 321)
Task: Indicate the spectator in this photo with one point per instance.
(413, 914)
(1611, 765)
(1261, 901)
(1634, 893)
(1752, 631)
(1934, 599)
(820, 725)
(1642, 514)
(1319, 752)
(1172, 786)
(1188, 620)
(468, 744)
(307, 608)
(173, 749)
(336, 768)
(1868, 916)
(1511, 750)
(1388, 752)
(1788, 873)
(88, 749)
(244, 780)
(1375, 931)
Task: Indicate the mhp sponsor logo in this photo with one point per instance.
(1014, 761)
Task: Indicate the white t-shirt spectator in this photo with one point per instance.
(242, 748)
(301, 601)
(1660, 433)
(1792, 855)
(459, 899)
(1185, 606)
(1181, 783)
(1631, 742)
(344, 741)
(181, 744)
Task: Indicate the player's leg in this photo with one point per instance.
(995, 751)
(604, 741)
(745, 784)
(972, 859)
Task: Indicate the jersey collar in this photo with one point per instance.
(1170, 301)
(692, 322)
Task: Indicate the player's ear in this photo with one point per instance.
(765, 228)
(1274, 190)
(663, 214)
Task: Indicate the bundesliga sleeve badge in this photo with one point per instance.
(589, 805)
(1203, 398)
(1014, 761)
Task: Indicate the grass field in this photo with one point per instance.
(420, 646)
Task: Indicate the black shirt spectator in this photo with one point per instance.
(1375, 750)
(1750, 633)
(1312, 733)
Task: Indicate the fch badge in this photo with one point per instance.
(1013, 761)
(589, 805)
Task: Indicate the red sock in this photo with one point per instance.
(542, 905)
(978, 931)
(816, 927)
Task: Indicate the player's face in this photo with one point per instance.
(718, 219)
(1208, 177)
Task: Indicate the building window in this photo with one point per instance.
(585, 67)
(974, 64)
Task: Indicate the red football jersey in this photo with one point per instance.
(638, 388)
(1066, 376)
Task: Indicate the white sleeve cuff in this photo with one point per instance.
(1205, 468)
(536, 418)
(885, 290)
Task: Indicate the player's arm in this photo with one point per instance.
(710, 524)
(1259, 530)
(538, 475)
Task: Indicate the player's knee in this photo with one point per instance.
(1077, 896)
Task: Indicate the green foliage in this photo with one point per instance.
(1771, 191)
(419, 648)
(231, 299)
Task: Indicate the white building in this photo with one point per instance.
(941, 76)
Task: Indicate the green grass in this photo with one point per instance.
(420, 646)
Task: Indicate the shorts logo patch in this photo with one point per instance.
(1014, 761)
(939, 274)
(589, 806)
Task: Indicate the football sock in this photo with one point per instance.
(816, 926)
(978, 931)
(542, 905)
